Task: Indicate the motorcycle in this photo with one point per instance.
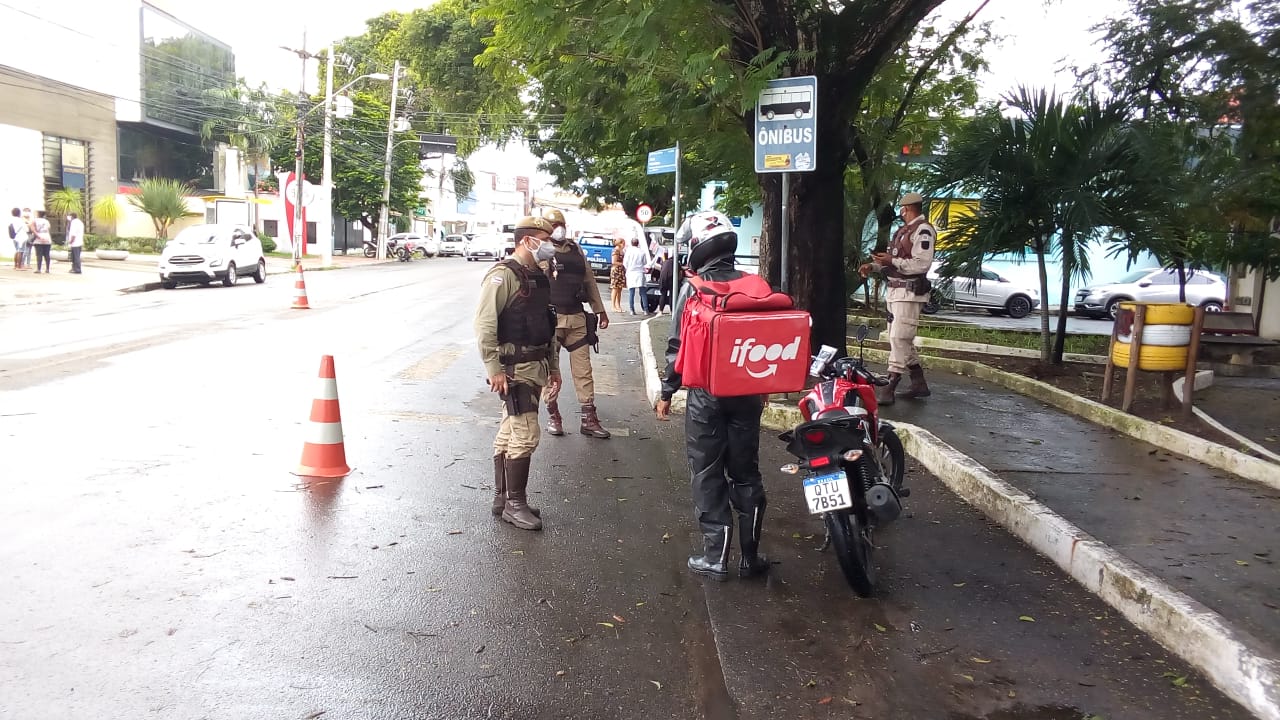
(394, 250)
(853, 462)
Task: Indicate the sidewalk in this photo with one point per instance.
(110, 277)
(1248, 406)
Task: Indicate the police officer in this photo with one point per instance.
(572, 284)
(722, 434)
(515, 327)
(905, 265)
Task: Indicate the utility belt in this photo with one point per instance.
(537, 353)
(575, 309)
(591, 338)
(917, 284)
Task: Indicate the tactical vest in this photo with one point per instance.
(569, 272)
(901, 245)
(527, 321)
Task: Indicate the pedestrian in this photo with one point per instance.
(18, 232)
(75, 240)
(572, 284)
(905, 265)
(515, 330)
(722, 434)
(665, 276)
(633, 261)
(27, 243)
(43, 241)
(617, 274)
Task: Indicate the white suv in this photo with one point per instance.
(204, 253)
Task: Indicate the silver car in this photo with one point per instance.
(1151, 285)
(990, 291)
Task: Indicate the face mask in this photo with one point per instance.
(558, 234)
(543, 252)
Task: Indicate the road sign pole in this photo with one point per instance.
(675, 249)
(786, 231)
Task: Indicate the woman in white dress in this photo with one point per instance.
(634, 262)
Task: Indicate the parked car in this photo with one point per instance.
(1151, 285)
(422, 244)
(453, 246)
(204, 253)
(508, 243)
(994, 293)
(486, 247)
(598, 248)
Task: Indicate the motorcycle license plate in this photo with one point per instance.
(825, 493)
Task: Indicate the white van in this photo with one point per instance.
(204, 253)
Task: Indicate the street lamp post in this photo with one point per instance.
(383, 219)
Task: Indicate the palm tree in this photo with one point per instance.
(1050, 178)
(164, 201)
(244, 118)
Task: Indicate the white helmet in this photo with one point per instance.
(703, 226)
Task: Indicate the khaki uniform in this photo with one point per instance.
(911, 254)
(572, 328)
(519, 434)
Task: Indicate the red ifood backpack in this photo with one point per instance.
(739, 337)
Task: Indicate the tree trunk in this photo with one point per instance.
(815, 261)
(1041, 245)
(1182, 280)
(1060, 341)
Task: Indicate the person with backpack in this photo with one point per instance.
(722, 434)
(18, 232)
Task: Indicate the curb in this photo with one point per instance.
(1204, 379)
(987, 349)
(652, 382)
(1235, 662)
(1177, 441)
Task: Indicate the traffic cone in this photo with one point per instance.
(300, 292)
(324, 454)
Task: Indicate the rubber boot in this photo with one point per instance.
(517, 511)
(752, 563)
(591, 426)
(885, 393)
(500, 486)
(919, 388)
(555, 423)
(714, 561)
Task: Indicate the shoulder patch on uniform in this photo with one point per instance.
(924, 244)
(926, 232)
(496, 279)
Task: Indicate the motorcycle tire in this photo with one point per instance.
(402, 254)
(853, 550)
(370, 252)
(893, 459)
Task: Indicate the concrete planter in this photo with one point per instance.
(111, 254)
(60, 255)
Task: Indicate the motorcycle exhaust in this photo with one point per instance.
(883, 502)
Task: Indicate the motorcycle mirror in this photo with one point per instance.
(862, 331)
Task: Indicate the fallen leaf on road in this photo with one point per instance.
(1242, 563)
(811, 683)
(433, 589)
(959, 585)
(1026, 618)
(1175, 679)
(315, 715)
(666, 537)
(980, 661)
(560, 673)
(454, 532)
(880, 627)
(656, 684)
(608, 625)
(479, 649)
(517, 552)
(286, 577)
(619, 618)
(622, 499)
(639, 604)
(825, 701)
(967, 677)
(795, 536)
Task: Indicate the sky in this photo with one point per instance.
(1040, 41)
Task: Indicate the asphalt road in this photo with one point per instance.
(159, 560)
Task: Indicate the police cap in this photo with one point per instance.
(554, 216)
(535, 223)
(911, 198)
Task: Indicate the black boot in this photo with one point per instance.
(555, 423)
(517, 511)
(751, 563)
(714, 561)
(885, 394)
(919, 388)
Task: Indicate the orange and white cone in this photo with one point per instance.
(300, 292)
(323, 454)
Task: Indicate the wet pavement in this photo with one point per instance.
(160, 561)
(1205, 532)
(1248, 406)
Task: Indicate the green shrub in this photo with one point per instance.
(147, 246)
(268, 243)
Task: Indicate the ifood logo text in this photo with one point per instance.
(747, 351)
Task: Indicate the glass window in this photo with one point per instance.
(1168, 277)
(179, 66)
(271, 227)
(988, 275)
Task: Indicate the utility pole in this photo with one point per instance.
(326, 182)
(384, 218)
(299, 229)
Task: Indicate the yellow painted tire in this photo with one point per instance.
(1165, 313)
(1153, 357)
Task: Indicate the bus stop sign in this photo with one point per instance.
(787, 126)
